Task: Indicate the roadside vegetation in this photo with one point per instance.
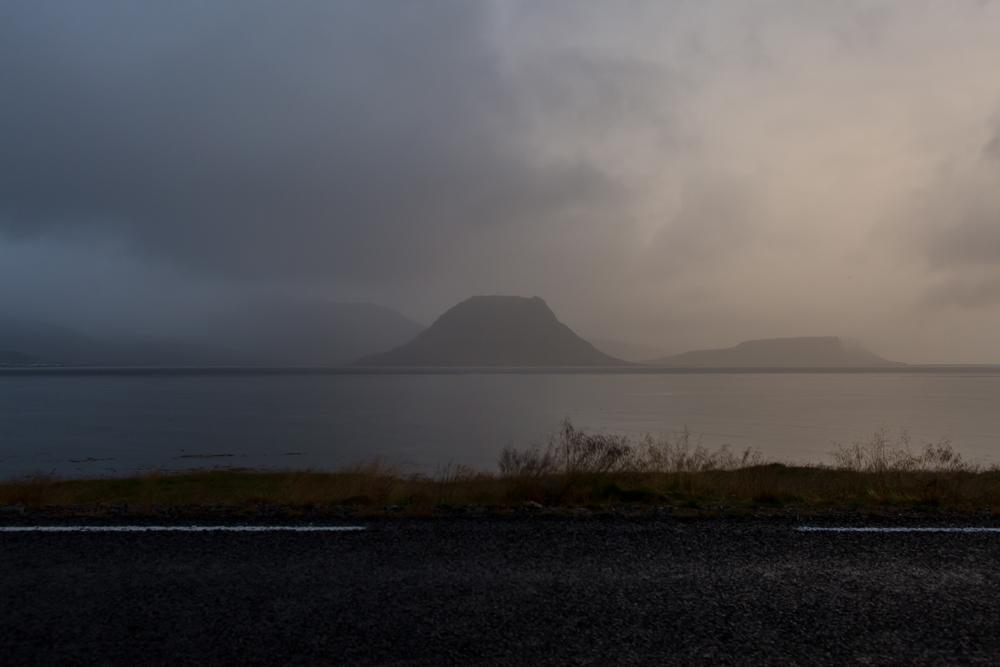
(574, 470)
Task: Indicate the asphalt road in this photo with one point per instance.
(529, 591)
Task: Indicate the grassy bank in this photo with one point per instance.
(574, 470)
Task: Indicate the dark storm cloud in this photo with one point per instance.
(352, 140)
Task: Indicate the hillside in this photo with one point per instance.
(11, 358)
(273, 332)
(627, 350)
(41, 343)
(815, 351)
(495, 331)
(284, 331)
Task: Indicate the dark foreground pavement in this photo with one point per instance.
(502, 592)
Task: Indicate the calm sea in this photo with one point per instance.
(99, 424)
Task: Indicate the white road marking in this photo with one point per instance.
(897, 529)
(180, 529)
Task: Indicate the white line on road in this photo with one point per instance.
(897, 529)
(180, 529)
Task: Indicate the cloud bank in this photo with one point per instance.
(673, 174)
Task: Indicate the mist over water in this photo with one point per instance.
(98, 425)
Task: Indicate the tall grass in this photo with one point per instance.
(573, 452)
(883, 453)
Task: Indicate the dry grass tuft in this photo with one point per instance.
(575, 452)
(882, 453)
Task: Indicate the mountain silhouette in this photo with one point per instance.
(495, 331)
(12, 358)
(41, 343)
(288, 331)
(812, 351)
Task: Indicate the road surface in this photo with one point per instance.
(502, 591)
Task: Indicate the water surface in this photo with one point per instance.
(85, 424)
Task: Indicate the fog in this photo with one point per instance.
(673, 175)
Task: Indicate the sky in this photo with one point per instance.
(673, 174)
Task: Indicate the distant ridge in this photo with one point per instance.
(261, 332)
(812, 351)
(43, 344)
(283, 331)
(627, 351)
(495, 331)
(11, 358)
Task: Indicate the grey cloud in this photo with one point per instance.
(971, 237)
(958, 223)
(992, 148)
(717, 218)
(601, 94)
(663, 172)
(349, 140)
(956, 228)
(965, 293)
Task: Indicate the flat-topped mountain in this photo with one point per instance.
(812, 351)
(495, 331)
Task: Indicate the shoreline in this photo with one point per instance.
(769, 492)
(636, 369)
